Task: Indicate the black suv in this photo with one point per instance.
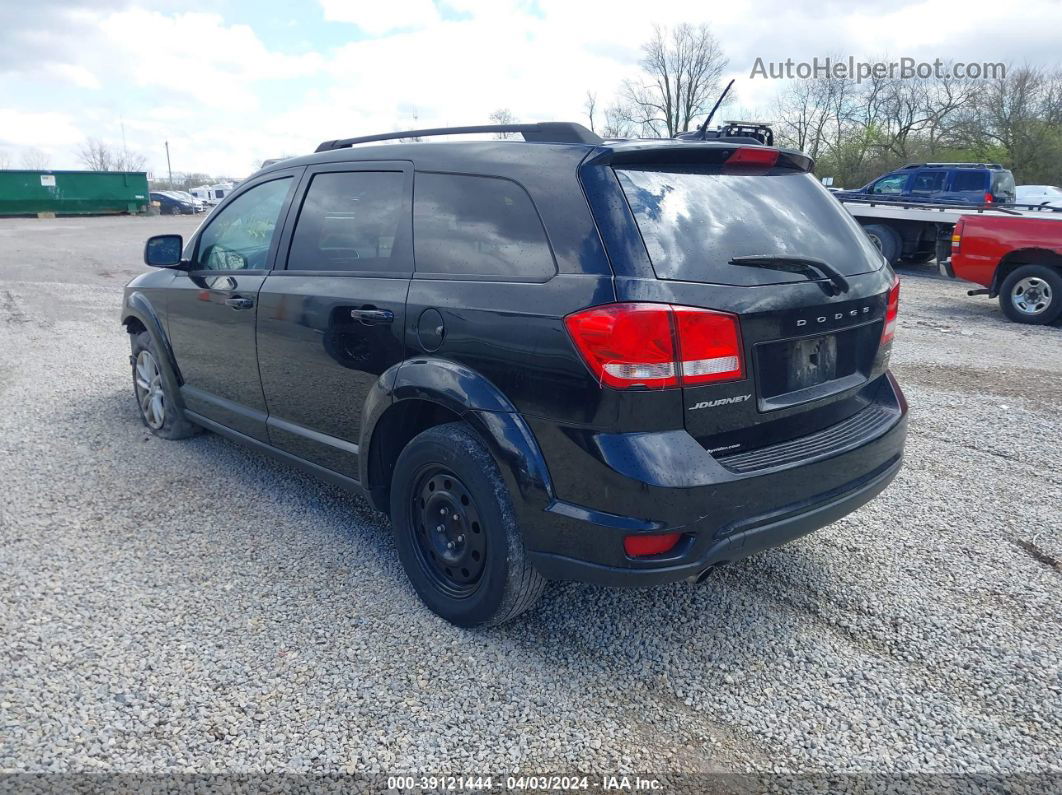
(623, 362)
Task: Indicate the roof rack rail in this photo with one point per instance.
(554, 132)
(953, 165)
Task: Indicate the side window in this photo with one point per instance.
(928, 182)
(481, 226)
(892, 184)
(349, 221)
(968, 181)
(240, 236)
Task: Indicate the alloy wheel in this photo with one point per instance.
(149, 395)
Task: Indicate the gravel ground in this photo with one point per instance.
(193, 606)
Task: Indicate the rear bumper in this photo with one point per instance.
(747, 538)
(723, 515)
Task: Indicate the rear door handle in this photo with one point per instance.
(239, 303)
(373, 317)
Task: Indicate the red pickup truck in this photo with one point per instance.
(1018, 258)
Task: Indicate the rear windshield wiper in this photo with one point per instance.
(805, 266)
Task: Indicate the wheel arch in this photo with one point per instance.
(1023, 256)
(428, 391)
(138, 316)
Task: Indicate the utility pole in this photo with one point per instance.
(168, 166)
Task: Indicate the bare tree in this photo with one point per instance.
(503, 116)
(590, 105)
(130, 161)
(804, 110)
(618, 123)
(5, 161)
(1021, 114)
(35, 160)
(96, 155)
(682, 67)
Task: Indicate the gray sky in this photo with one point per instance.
(231, 82)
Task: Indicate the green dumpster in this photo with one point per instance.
(73, 192)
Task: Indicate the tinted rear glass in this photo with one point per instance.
(968, 181)
(694, 222)
(477, 226)
(929, 182)
(1003, 184)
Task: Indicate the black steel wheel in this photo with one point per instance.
(456, 532)
(450, 542)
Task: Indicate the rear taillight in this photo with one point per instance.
(956, 238)
(892, 311)
(657, 346)
(641, 546)
(989, 198)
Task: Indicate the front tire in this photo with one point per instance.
(158, 409)
(456, 531)
(1032, 294)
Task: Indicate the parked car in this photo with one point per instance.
(622, 362)
(1017, 258)
(197, 204)
(172, 205)
(951, 183)
(1039, 195)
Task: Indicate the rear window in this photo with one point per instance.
(968, 181)
(694, 222)
(1003, 184)
(478, 226)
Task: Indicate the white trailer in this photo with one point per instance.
(918, 232)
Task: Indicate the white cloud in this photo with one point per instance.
(198, 55)
(225, 100)
(44, 130)
(376, 18)
(75, 74)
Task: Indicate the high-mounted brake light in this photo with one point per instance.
(753, 157)
(892, 311)
(657, 346)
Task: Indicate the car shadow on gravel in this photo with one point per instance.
(636, 629)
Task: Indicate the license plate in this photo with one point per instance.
(812, 362)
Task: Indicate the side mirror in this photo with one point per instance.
(163, 251)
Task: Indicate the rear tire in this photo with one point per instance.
(456, 531)
(1032, 294)
(157, 407)
(886, 240)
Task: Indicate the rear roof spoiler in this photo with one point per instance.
(692, 153)
(554, 132)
